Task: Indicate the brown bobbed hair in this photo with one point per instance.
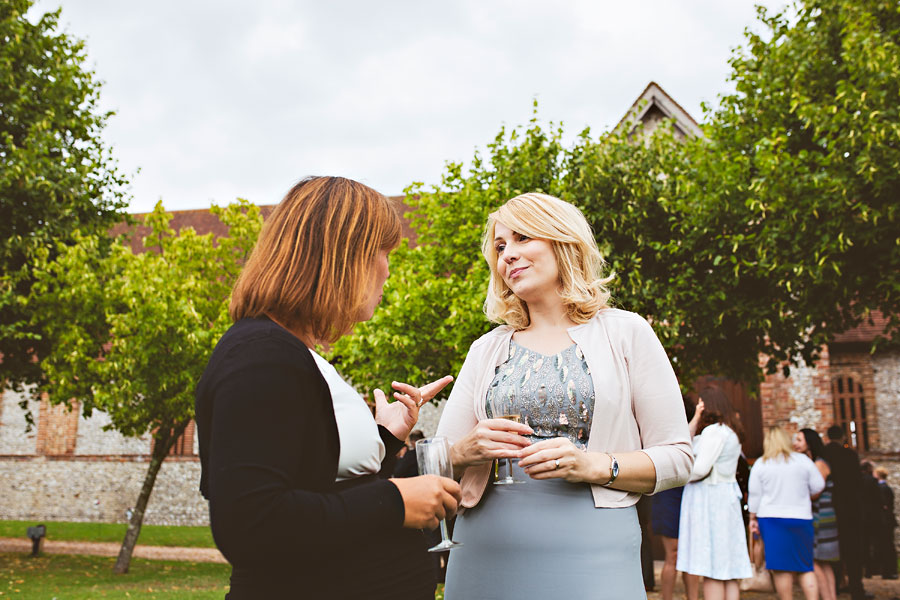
(582, 286)
(311, 268)
(718, 409)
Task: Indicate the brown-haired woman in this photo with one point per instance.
(289, 451)
(711, 537)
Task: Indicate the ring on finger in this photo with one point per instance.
(556, 462)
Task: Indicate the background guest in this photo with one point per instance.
(871, 518)
(712, 541)
(848, 486)
(887, 551)
(665, 514)
(826, 550)
(781, 485)
(407, 464)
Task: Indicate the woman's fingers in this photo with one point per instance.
(551, 459)
(432, 389)
(491, 439)
(554, 444)
(536, 458)
(506, 425)
(380, 400)
(408, 394)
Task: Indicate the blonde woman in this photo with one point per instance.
(289, 451)
(602, 419)
(782, 484)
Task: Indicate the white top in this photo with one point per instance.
(637, 403)
(782, 488)
(361, 447)
(716, 453)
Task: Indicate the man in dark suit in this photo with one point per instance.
(872, 525)
(848, 485)
(887, 552)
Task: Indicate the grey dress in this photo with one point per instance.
(545, 539)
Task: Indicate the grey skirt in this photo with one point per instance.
(544, 539)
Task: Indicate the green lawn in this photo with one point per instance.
(151, 535)
(88, 577)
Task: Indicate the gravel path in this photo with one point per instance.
(112, 549)
(879, 588)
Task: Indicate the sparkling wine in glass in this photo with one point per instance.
(433, 456)
(504, 408)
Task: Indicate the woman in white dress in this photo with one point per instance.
(712, 541)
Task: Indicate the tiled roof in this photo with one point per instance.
(866, 331)
(205, 222)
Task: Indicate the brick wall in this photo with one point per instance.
(57, 428)
(801, 400)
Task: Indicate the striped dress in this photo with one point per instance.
(825, 523)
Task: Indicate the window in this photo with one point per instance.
(850, 410)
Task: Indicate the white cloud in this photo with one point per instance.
(222, 99)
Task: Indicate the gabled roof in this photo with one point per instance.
(652, 102)
(203, 222)
(866, 331)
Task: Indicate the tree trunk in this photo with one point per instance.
(162, 443)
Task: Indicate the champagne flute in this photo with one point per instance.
(505, 409)
(433, 456)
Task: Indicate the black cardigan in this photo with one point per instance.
(269, 450)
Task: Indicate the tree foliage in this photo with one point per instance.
(135, 331)
(768, 236)
(432, 306)
(800, 183)
(56, 174)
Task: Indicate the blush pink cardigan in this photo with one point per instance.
(637, 403)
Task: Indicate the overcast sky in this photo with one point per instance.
(220, 99)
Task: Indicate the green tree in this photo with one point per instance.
(135, 331)
(56, 174)
(797, 188)
(769, 236)
(432, 305)
(631, 192)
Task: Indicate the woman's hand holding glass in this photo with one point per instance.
(489, 440)
(433, 457)
(559, 458)
(400, 417)
(427, 500)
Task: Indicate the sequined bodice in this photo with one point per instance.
(553, 394)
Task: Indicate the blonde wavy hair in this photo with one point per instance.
(582, 286)
(311, 269)
(777, 443)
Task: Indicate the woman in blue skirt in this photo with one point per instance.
(782, 484)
